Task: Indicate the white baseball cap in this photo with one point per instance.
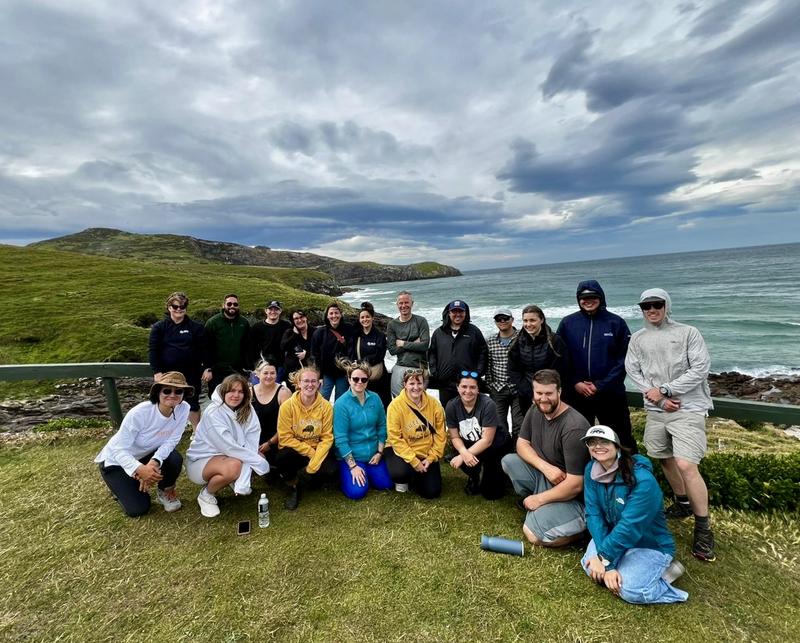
(601, 431)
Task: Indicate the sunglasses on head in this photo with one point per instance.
(472, 374)
(657, 305)
(178, 306)
(172, 391)
(359, 380)
(502, 318)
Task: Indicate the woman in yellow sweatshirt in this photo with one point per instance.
(305, 434)
(416, 435)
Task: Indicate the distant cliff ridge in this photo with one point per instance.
(116, 243)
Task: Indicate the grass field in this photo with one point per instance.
(392, 567)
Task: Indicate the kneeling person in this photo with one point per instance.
(472, 424)
(547, 469)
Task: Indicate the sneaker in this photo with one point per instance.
(208, 504)
(293, 500)
(678, 510)
(673, 572)
(169, 499)
(401, 487)
(703, 547)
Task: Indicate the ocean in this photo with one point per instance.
(743, 300)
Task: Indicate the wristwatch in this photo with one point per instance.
(664, 390)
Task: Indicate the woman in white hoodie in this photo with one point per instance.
(224, 447)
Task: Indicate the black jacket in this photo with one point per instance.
(372, 347)
(292, 343)
(177, 347)
(325, 347)
(265, 342)
(526, 355)
(448, 355)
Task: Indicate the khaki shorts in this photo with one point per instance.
(681, 434)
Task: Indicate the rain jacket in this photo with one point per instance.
(597, 344)
(620, 518)
(672, 355)
(449, 355)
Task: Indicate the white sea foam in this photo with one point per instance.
(775, 370)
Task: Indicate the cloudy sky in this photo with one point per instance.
(479, 134)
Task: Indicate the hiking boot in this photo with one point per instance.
(678, 510)
(703, 547)
(293, 500)
(401, 487)
(169, 498)
(208, 504)
(473, 486)
(673, 572)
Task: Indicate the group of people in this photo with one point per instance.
(567, 451)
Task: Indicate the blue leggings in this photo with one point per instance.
(377, 476)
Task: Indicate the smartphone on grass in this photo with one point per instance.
(243, 528)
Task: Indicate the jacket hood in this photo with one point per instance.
(218, 403)
(640, 462)
(661, 294)
(446, 317)
(591, 284)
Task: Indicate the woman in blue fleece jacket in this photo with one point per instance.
(631, 551)
(359, 434)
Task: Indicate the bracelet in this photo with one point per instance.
(353, 467)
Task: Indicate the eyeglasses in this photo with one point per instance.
(232, 304)
(172, 391)
(359, 380)
(472, 374)
(178, 306)
(502, 318)
(596, 442)
(657, 305)
(307, 382)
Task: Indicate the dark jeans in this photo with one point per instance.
(447, 392)
(289, 462)
(428, 484)
(492, 480)
(505, 400)
(609, 408)
(136, 503)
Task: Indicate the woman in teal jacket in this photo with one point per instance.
(359, 434)
(631, 551)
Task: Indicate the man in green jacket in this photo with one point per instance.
(227, 341)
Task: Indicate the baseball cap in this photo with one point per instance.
(274, 304)
(601, 431)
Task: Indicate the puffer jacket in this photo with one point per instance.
(527, 354)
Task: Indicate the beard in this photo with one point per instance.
(546, 407)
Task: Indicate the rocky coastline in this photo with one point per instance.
(83, 399)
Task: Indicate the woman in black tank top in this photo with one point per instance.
(268, 395)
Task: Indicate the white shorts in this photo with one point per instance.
(194, 469)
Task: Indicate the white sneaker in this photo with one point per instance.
(170, 500)
(401, 487)
(673, 572)
(208, 504)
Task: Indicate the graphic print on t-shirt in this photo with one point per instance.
(470, 429)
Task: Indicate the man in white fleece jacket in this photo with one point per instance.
(669, 363)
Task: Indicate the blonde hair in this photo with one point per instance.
(244, 409)
(294, 377)
(348, 366)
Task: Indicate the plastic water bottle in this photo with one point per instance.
(263, 511)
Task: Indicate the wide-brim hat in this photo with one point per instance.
(601, 431)
(175, 380)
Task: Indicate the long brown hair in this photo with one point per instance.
(244, 410)
(548, 332)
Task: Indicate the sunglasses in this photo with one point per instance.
(502, 318)
(657, 305)
(472, 374)
(172, 391)
(232, 305)
(177, 306)
(359, 380)
(596, 442)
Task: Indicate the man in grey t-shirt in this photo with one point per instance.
(407, 337)
(547, 469)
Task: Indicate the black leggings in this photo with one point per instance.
(136, 503)
(289, 462)
(493, 481)
(428, 484)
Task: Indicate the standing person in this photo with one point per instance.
(456, 346)
(407, 337)
(536, 347)
(177, 343)
(143, 452)
(305, 435)
(227, 336)
(359, 434)
(547, 469)
(296, 344)
(266, 336)
(597, 341)
(268, 395)
(369, 345)
(330, 342)
(224, 449)
(632, 550)
(416, 437)
(502, 391)
(669, 363)
(472, 424)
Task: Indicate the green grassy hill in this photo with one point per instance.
(66, 307)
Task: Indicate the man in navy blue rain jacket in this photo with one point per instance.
(597, 341)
